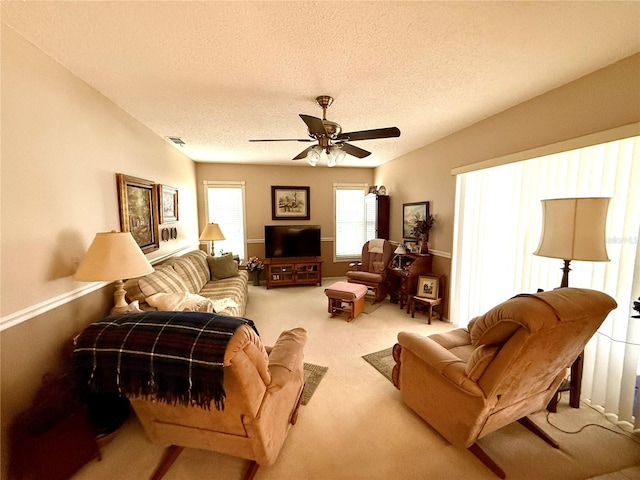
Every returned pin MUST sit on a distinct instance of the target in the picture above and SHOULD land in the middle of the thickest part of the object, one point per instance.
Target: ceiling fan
(331, 140)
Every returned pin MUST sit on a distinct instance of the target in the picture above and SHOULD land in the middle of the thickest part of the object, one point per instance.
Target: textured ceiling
(220, 73)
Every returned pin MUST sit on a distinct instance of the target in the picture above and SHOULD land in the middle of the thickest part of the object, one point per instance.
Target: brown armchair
(173, 366)
(507, 364)
(263, 392)
(372, 270)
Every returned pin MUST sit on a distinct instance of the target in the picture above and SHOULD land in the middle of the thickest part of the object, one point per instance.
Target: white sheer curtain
(498, 221)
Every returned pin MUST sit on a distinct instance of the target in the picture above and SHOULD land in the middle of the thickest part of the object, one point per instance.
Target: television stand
(286, 271)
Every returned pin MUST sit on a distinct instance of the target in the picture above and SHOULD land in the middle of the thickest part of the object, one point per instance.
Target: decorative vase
(256, 277)
(424, 246)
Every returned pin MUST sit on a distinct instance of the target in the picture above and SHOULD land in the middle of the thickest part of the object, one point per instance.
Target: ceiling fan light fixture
(335, 155)
(313, 156)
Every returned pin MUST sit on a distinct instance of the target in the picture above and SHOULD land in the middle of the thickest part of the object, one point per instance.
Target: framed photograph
(290, 203)
(410, 213)
(428, 287)
(138, 201)
(168, 209)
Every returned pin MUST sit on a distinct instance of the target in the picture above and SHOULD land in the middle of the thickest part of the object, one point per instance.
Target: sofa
(194, 281)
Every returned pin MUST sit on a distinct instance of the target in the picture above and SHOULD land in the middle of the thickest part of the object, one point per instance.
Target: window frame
(364, 187)
(228, 184)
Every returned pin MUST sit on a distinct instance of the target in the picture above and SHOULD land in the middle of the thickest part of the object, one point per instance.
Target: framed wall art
(290, 203)
(410, 213)
(138, 202)
(168, 208)
(428, 287)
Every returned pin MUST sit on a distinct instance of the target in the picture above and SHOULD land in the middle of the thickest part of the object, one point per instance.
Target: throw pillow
(180, 302)
(222, 267)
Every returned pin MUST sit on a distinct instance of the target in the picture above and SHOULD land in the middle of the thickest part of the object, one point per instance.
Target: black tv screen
(292, 241)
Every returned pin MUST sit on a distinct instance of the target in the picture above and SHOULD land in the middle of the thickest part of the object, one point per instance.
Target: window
(224, 203)
(350, 231)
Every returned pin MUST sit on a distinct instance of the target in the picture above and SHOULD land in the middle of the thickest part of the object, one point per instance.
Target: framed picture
(168, 209)
(290, 203)
(410, 213)
(138, 201)
(428, 287)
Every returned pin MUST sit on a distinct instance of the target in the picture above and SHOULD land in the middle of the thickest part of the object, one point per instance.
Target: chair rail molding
(15, 318)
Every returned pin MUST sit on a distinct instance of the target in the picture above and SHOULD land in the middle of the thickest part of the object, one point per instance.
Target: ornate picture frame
(428, 287)
(290, 203)
(168, 206)
(410, 213)
(138, 203)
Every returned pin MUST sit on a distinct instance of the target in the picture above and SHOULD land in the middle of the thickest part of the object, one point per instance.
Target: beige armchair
(507, 364)
(263, 391)
(173, 366)
(372, 269)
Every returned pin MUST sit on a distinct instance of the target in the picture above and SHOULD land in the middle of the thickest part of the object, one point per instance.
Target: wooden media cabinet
(282, 272)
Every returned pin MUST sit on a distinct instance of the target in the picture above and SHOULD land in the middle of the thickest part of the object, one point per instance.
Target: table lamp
(113, 256)
(212, 232)
(574, 229)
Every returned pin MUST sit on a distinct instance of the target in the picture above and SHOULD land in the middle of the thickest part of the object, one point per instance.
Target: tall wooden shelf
(282, 272)
(377, 210)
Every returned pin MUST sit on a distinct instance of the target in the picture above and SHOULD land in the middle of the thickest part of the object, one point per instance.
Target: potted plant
(255, 266)
(420, 230)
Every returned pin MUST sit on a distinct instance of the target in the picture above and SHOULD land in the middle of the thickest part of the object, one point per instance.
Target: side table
(403, 282)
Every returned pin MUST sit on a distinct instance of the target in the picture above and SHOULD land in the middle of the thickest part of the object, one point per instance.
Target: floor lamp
(112, 257)
(573, 229)
(212, 233)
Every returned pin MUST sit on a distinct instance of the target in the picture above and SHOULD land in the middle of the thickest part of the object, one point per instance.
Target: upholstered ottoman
(346, 298)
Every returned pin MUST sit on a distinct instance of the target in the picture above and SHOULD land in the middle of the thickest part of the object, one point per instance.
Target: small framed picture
(290, 203)
(168, 197)
(428, 287)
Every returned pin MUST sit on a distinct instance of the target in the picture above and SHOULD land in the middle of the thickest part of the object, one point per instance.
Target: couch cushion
(234, 288)
(164, 279)
(222, 267)
(192, 276)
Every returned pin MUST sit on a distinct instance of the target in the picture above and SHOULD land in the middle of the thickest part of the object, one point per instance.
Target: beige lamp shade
(400, 250)
(113, 256)
(574, 229)
(212, 232)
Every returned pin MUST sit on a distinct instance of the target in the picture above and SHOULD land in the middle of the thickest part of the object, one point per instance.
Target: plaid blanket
(175, 357)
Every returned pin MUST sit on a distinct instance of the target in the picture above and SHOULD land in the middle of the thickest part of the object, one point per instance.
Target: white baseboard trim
(15, 318)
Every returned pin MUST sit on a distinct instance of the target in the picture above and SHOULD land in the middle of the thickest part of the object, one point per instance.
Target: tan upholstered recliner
(372, 270)
(263, 391)
(507, 364)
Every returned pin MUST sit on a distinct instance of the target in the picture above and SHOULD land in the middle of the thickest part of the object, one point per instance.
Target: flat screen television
(292, 241)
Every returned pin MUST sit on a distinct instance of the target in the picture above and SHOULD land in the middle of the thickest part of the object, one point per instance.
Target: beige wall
(258, 181)
(602, 100)
(62, 143)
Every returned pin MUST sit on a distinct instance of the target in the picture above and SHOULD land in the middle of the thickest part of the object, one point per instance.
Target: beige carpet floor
(355, 427)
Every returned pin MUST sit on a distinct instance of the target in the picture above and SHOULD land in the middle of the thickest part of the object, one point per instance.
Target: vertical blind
(349, 220)
(225, 206)
(498, 224)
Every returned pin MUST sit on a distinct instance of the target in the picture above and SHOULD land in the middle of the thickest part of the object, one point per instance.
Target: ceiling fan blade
(303, 153)
(283, 140)
(314, 124)
(353, 150)
(370, 134)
